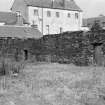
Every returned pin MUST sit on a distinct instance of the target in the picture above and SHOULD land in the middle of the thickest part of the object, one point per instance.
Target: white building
(50, 16)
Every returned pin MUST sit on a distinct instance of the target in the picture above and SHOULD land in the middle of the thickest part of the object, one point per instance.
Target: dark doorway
(16, 54)
(25, 54)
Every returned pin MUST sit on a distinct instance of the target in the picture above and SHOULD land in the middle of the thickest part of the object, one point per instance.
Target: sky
(91, 8)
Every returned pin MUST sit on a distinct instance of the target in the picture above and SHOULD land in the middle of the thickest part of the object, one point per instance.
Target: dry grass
(55, 84)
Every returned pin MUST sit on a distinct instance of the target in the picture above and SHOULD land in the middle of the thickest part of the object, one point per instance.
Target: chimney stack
(52, 3)
(63, 3)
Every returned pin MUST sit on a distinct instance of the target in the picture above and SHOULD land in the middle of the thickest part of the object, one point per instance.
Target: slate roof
(8, 18)
(19, 32)
(57, 4)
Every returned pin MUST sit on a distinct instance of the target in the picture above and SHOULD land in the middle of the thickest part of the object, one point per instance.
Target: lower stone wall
(69, 47)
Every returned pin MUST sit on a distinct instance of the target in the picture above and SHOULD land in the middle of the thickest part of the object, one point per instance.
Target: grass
(56, 84)
(9, 67)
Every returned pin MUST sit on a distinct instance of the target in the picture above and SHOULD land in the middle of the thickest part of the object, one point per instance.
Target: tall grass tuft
(10, 67)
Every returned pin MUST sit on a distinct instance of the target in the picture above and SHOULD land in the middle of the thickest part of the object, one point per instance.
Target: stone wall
(69, 47)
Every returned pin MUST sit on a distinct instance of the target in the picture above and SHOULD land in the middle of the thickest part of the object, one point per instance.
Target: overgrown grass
(9, 67)
(57, 84)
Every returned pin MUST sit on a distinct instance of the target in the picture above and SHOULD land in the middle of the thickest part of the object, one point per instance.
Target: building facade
(90, 21)
(50, 16)
(12, 25)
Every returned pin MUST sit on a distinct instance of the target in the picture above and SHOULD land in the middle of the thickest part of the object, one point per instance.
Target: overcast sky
(91, 8)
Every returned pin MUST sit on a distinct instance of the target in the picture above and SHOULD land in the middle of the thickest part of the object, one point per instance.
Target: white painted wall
(67, 24)
(32, 17)
(2, 24)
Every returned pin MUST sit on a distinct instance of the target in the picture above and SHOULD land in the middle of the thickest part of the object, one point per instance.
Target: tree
(96, 26)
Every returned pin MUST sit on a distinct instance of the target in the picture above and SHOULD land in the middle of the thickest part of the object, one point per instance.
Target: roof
(90, 21)
(19, 32)
(8, 17)
(56, 4)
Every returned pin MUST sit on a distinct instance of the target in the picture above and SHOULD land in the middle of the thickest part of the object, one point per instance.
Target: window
(69, 15)
(35, 12)
(88, 24)
(103, 23)
(18, 13)
(57, 14)
(97, 21)
(33, 22)
(76, 15)
(48, 14)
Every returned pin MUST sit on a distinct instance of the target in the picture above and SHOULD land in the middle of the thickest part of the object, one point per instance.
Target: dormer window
(35, 12)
